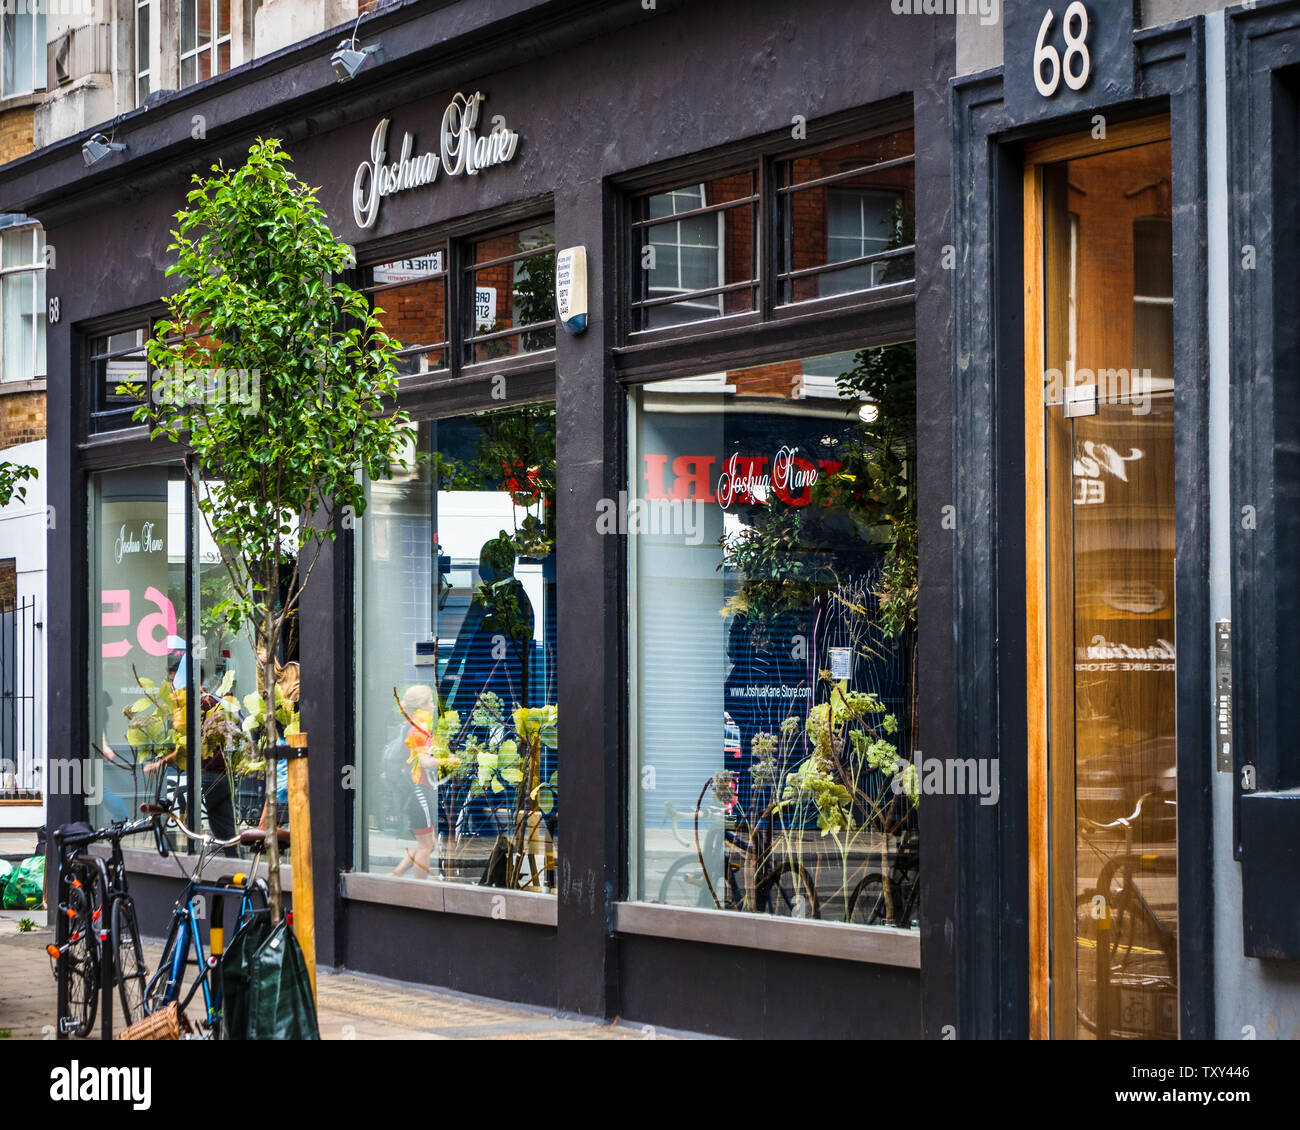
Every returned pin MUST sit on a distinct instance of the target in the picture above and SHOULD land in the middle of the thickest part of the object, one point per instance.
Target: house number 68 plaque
(1074, 64)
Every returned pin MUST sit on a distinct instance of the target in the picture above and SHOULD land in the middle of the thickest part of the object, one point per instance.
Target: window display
(456, 657)
(772, 542)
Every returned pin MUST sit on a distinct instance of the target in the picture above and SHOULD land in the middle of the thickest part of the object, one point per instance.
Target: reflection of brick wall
(738, 226)
(22, 418)
(16, 133)
(415, 314)
(767, 380)
(808, 215)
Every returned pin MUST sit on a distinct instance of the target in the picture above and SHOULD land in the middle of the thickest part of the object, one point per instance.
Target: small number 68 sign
(1073, 65)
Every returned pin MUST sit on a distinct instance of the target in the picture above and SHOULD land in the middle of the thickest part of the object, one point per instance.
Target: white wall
(22, 537)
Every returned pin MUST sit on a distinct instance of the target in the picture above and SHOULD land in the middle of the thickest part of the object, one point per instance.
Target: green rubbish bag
(236, 965)
(280, 1004)
(24, 887)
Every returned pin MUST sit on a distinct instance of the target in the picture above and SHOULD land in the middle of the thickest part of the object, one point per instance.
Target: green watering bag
(236, 966)
(280, 1005)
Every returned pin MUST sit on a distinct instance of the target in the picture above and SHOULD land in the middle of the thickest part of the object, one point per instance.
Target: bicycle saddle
(250, 836)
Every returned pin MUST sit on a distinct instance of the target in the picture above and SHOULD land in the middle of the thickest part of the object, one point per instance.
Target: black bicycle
(97, 940)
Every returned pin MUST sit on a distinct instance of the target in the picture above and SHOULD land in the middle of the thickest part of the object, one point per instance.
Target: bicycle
(168, 981)
(782, 889)
(1135, 985)
(97, 943)
(868, 905)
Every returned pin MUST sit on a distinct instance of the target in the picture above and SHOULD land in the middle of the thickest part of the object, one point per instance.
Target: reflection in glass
(138, 666)
(456, 664)
(1112, 732)
(772, 544)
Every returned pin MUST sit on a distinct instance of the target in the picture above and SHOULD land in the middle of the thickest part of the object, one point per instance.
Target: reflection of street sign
(841, 663)
(408, 270)
(485, 308)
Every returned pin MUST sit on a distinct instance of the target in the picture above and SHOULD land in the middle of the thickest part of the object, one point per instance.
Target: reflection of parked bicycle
(748, 876)
(871, 905)
(1132, 988)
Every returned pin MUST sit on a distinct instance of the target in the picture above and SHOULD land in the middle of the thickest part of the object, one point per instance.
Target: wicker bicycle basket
(166, 1024)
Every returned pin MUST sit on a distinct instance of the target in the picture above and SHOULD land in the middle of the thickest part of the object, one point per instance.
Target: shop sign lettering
(742, 479)
(461, 150)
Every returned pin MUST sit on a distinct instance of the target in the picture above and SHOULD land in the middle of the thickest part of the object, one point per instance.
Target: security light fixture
(349, 59)
(99, 147)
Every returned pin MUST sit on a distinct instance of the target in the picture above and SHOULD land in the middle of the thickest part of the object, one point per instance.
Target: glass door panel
(1107, 347)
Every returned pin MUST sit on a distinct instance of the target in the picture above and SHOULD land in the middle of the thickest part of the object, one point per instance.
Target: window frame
(40, 80)
(635, 347)
(36, 268)
(434, 387)
(212, 47)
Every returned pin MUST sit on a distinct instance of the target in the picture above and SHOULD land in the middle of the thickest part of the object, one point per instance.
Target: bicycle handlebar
(1125, 821)
(201, 837)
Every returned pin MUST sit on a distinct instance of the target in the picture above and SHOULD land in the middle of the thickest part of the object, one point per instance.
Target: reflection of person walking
(429, 757)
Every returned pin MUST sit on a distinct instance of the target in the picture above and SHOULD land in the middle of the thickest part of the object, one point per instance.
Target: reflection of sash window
(688, 257)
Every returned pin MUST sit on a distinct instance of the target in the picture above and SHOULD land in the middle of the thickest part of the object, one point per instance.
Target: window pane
(456, 632)
(772, 552)
(19, 295)
(234, 779)
(848, 217)
(18, 50)
(411, 297)
(701, 252)
(189, 25)
(514, 294)
(138, 638)
(131, 367)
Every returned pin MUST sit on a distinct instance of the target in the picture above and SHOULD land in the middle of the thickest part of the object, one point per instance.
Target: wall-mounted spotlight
(99, 147)
(349, 59)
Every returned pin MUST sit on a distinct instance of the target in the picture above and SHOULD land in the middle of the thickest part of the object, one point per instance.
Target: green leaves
(317, 377)
(12, 478)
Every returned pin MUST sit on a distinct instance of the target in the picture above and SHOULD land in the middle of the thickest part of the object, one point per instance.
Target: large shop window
(150, 654)
(772, 536)
(456, 657)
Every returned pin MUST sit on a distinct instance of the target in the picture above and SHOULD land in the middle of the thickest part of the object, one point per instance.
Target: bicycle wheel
(867, 905)
(130, 960)
(1140, 974)
(787, 892)
(162, 988)
(82, 952)
(683, 885)
(867, 902)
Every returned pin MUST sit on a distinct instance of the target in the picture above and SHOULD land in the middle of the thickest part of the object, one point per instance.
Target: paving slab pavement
(351, 1006)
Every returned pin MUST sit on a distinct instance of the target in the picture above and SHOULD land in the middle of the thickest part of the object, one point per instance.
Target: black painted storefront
(603, 97)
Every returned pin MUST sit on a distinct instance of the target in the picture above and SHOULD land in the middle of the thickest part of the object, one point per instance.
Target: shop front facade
(795, 625)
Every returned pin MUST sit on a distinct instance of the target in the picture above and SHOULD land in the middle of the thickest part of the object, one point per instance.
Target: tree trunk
(272, 776)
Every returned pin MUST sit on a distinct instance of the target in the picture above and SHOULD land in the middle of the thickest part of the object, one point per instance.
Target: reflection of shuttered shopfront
(807, 625)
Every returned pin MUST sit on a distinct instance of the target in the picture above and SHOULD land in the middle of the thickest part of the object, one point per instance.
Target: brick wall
(16, 133)
(22, 417)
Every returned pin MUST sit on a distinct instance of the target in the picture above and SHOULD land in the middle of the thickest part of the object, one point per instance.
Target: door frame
(992, 121)
(1037, 154)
